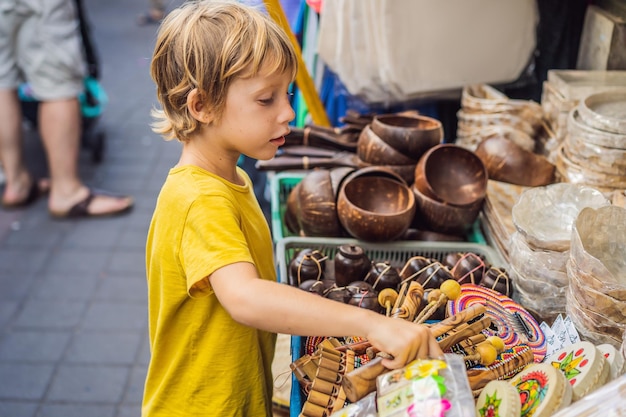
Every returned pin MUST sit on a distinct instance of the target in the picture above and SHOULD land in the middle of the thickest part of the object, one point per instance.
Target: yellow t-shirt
(203, 363)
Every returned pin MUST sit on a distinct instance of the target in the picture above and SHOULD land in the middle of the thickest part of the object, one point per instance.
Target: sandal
(81, 209)
(37, 189)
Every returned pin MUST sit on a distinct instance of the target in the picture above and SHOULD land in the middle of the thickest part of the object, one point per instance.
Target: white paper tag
(572, 333)
(550, 338)
(562, 338)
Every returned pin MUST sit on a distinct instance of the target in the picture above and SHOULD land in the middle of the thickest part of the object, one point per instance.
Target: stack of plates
(496, 218)
(486, 113)
(539, 250)
(594, 149)
(562, 92)
(538, 272)
(596, 269)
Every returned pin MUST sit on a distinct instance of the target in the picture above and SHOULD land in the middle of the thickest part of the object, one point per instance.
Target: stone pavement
(73, 314)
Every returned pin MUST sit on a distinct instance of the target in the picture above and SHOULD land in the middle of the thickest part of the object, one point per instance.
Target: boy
(222, 73)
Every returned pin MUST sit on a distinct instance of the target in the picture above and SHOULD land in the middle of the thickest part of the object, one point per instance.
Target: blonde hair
(206, 45)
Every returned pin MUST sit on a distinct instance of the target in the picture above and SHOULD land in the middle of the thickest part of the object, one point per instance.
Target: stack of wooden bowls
(312, 204)
(594, 149)
(450, 187)
(596, 298)
(539, 250)
(375, 204)
(397, 141)
(487, 113)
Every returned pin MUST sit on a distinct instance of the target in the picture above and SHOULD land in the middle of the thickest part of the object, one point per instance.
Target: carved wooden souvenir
(497, 279)
(467, 268)
(511, 322)
(431, 275)
(508, 363)
(351, 264)
(307, 264)
(383, 275)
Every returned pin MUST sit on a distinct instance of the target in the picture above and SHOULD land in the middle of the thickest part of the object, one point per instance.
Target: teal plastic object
(92, 100)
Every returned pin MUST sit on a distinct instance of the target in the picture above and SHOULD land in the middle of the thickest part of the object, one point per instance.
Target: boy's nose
(288, 113)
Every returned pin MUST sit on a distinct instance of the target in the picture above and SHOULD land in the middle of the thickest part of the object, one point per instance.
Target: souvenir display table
(381, 214)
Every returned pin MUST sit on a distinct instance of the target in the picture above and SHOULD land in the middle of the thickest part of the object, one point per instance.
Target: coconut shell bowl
(375, 204)
(442, 217)
(411, 135)
(311, 205)
(452, 175)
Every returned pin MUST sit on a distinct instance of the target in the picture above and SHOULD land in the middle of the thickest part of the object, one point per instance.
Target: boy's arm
(285, 309)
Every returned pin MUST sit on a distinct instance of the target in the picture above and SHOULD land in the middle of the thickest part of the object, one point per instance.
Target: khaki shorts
(40, 43)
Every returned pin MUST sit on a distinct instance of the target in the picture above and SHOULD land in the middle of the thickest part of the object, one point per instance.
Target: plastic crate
(281, 185)
(397, 253)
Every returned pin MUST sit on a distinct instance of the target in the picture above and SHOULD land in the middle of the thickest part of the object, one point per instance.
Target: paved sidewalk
(73, 316)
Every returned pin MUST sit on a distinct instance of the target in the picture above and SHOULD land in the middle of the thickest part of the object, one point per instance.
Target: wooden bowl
(337, 175)
(292, 210)
(317, 208)
(373, 150)
(444, 218)
(453, 175)
(405, 172)
(410, 135)
(375, 208)
(376, 171)
(508, 162)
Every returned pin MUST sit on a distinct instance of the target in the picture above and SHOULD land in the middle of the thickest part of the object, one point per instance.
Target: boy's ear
(198, 107)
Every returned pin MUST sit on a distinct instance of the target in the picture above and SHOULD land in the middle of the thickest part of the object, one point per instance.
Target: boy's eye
(266, 101)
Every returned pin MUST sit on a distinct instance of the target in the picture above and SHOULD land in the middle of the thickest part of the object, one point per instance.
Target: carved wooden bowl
(444, 218)
(373, 150)
(410, 135)
(317, 209)
(453, 175)
(375, 207)
(292, 210)
(508, 162)
(405, 172)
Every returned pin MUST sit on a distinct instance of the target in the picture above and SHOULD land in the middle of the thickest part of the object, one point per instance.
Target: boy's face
(256, 115)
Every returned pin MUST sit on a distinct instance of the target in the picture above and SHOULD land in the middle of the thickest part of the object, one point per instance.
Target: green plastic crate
(397, 253)
(281, 185)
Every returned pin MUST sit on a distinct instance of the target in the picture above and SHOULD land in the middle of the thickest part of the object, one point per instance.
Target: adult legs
(18, 180)
(60, 130)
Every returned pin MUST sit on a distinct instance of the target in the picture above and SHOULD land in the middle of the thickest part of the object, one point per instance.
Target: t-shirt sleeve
(212, 238)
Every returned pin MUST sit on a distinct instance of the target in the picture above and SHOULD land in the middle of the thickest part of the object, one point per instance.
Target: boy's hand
(404, 341)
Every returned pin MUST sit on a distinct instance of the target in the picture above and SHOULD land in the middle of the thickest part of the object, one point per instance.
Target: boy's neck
(220, 165)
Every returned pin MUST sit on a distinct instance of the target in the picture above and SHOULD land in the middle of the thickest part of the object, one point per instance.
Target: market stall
(508, 241)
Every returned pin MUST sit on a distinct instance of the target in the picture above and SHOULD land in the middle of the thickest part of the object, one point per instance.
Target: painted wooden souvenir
(511, 322)
(584, 366)
(542, 389)
(498, 399)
